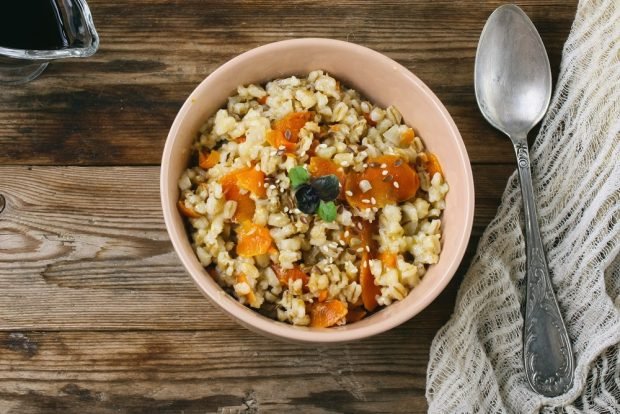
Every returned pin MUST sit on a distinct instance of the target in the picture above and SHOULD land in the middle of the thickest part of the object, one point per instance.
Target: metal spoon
(513, 89)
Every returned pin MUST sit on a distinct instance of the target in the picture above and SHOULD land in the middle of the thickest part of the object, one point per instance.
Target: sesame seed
(373, 165)
(398, 162)
(281, 148)
(373, 201)
(365, 186)
(388, 177)
(285, 209)
(384, 172)
(384, 165)
(364, 165)
(396, 185)
(359, 225)
(349, 193)
(361, 249)
(288, 134)
(365, 201)
(272, 187)
(368, 249)
(257, 167)
(346, 233)
(344, 164)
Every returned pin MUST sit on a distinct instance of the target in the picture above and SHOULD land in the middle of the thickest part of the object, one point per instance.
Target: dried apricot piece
(406, 138)
(187, 211)
(328, 313)
(245, 204)
(252, 239)
(284, 275)
(290, 124)
(207, 159)
(432, 164)
(355, 314)
(370, 290)
(247, 178)
(277, 140)
(388, 259)
(387, 180)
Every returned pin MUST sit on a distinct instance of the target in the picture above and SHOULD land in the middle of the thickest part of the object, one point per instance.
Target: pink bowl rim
(284, 331)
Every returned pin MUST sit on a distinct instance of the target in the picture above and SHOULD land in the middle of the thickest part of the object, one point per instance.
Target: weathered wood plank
(116, 107)
(208, 371)
(78, 250)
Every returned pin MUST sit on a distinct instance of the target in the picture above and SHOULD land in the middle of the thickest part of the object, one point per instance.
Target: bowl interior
(382, 81)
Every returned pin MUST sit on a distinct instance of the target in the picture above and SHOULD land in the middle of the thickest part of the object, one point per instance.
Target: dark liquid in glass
(31, 25)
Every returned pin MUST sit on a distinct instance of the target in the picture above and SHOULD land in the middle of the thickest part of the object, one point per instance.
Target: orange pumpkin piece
(322, 295)
(355, 314)
(242, 278)
(252, 239)
(240, 139)
(319, 167)
(262, 100)
(388, 259)
(432, 164)
(406, 138)
(247, 178)
(207, 160)
(277, 140)
(187, 211)
(292, 123)
(328, 313)
(398, 183)
(284, 275)
(245, 204)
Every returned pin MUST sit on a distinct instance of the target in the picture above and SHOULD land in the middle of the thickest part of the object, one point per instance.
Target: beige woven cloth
(476, 358)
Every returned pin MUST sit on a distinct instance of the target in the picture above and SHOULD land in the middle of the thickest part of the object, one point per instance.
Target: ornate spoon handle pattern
(547, 351)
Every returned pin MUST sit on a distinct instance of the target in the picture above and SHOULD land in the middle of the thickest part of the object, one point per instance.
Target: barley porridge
(311, 204)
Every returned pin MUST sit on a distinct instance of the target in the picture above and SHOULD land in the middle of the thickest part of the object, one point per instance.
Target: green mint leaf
(298, 176)
(327, 211)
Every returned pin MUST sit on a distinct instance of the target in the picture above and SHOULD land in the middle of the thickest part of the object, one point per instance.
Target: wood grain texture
(78, 251)
(116, 107)
(97, 314)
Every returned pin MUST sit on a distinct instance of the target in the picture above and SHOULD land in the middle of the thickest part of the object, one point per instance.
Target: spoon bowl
(513, 76)
(513, 90)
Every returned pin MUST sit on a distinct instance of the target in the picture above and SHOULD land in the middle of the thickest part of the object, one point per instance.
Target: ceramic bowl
(384, 82)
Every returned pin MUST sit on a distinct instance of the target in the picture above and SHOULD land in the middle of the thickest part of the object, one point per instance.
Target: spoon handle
(547, 353)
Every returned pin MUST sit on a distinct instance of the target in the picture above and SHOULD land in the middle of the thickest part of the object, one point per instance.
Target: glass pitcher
(35, 32)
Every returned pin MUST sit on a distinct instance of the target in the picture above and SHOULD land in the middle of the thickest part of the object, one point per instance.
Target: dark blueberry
(327, 187)
(307, 199)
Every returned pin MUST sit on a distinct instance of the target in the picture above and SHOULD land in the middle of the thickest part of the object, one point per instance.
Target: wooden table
(97, 315)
